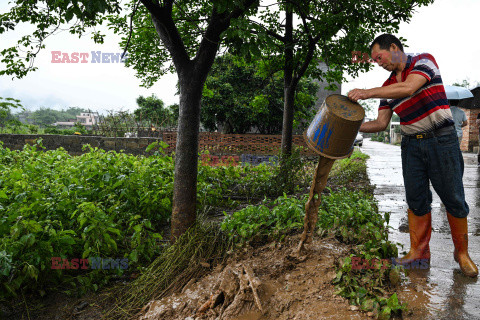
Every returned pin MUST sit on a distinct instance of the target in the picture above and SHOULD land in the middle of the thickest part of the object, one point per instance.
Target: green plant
(348, 172)
(103, 204)
(349, 215)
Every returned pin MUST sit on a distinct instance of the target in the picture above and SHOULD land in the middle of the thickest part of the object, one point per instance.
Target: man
(459, 119)
(430, 149)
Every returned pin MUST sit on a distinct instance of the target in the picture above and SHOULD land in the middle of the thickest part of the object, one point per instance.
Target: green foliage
(152, 109)
(245, 224)
(6, 117)
(370, 106)
(345, 212)
(103, 204)
(466, 83)
(328, 32)
(99, 204)
(76, 129)
(351, 216)
(379, 136)
(237, 98)
(292, 174)
(9, 103)
(251, 182)
(45, 117)
(349, 171)
(46, 16)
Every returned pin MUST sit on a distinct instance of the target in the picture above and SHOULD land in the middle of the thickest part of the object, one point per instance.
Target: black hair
(453, 102)
(385, 41)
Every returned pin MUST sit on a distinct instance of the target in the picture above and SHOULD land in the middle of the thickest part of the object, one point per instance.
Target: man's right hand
(358, 94)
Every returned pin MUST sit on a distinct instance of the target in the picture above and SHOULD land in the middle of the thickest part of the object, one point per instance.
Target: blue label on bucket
(322, 136)
(313, 126)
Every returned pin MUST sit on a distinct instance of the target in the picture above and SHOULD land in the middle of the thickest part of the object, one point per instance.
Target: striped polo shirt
(427, 109)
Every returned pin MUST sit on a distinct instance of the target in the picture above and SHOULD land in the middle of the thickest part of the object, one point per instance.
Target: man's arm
(380, 124)
(464, 119)
(394, 91)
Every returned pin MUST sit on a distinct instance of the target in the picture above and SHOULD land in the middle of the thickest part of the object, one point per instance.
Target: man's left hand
(358, 94)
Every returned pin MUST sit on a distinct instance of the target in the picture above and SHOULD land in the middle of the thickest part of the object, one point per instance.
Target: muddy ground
(288, 286)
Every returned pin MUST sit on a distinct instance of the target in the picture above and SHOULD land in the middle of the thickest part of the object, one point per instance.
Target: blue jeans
(440, 161)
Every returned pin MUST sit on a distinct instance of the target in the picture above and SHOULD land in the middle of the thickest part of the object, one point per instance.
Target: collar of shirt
(393, 75)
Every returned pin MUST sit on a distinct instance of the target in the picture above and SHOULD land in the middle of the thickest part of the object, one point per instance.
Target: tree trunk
(186, 155)
(289, 94)
(287, 129)
(192, 74)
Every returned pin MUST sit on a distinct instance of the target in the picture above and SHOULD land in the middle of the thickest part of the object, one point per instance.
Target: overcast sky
(447, 29)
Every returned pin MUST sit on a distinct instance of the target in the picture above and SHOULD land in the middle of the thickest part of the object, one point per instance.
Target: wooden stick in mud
(311, 207)
(254, 285)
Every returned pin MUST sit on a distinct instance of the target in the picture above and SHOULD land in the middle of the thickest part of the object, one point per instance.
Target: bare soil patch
(287, 286)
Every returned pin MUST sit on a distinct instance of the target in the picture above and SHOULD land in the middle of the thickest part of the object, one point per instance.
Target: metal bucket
(333, 130)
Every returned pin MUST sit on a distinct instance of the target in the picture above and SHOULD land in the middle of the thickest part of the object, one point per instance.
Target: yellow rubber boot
(459, 229)
(420, 228)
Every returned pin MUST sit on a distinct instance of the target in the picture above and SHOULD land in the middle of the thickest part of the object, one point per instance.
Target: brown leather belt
(427, 135)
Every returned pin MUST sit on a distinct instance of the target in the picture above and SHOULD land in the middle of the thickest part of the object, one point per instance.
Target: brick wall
(237, 144)
(470, 131)
(215, 143)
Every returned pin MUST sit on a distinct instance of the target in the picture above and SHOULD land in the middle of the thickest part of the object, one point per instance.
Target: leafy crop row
(100, 204)
(351, 217)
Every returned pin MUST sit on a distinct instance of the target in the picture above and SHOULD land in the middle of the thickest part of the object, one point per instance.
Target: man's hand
(358, 94)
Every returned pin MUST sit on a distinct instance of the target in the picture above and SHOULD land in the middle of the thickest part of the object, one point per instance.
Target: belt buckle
(420, 136)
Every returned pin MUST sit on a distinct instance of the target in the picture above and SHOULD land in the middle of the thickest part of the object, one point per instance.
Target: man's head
(387, 51)
(453, 102)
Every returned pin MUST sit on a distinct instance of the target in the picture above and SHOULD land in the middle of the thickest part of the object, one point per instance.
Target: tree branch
(168, 32)
(312, 43)
(268, 31)
(135, 7)
(219, 22)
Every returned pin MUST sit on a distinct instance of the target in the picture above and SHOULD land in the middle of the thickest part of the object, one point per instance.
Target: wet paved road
(450, 295)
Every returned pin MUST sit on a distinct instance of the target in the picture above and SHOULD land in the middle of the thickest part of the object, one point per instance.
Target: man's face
(382, 57)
